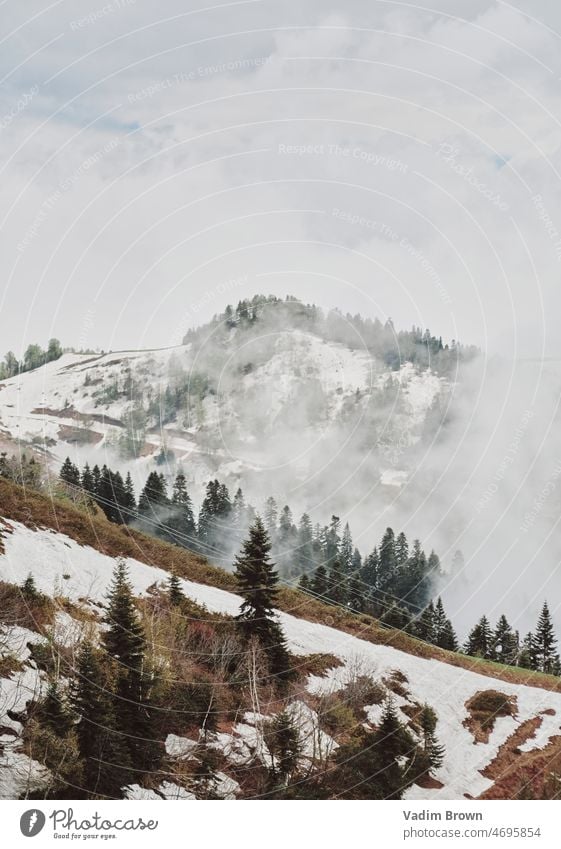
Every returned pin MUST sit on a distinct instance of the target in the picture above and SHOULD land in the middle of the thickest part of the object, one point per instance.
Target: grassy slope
(36, 510)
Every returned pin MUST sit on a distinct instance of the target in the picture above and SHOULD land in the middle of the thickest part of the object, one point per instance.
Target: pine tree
(388, 562)
(257, 582)
(356, 598)
(332, 541)
(525, 657)
(181, 522)
(54, 712)
(283, 742)
(176, 595)
(319, 582)
(545, 642)
(304, 583)
(447, 637)
(125, 642)
(433, 750)
(238, 510)
(505, 642)
(337, 584)
(103, 751)
(29, 590)
(154, 494)
(424, 626)
(480, 640)
(271, 517)
(395, 748)
(370, 569)
(346, 551)
(305, 542)
(69, 473)
(401, 549)
(96, 474)
(129, 500)
(87, 480)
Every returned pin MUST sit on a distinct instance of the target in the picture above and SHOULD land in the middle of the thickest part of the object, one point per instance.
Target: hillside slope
(77, 577)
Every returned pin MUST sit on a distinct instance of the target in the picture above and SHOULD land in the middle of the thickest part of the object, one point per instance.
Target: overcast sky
(159, 160)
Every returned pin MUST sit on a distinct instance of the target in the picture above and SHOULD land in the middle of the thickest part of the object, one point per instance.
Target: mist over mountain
(331, 414)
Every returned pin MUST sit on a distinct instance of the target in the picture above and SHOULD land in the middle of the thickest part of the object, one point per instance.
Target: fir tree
(271, 517)
(424, 626)
(433, 750)
(505, 642)
(257, 582)
(388, 562)
(346, 551)
(69, 473)
(401, 549)
(480, 640)
(176, 595)
(106, 761)
(182, 519)
(319, 582)
(337, 584)
(54, 712)
(332, 541)
(544, 643)
(305, 542)
(283, 742)
(87, 480)
(125, 642)
(525, 657)
(154, 494)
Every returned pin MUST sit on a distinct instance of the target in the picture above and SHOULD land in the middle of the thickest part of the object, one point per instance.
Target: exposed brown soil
(79, 435)
(76, 415)
(519, 774)
(484, 708)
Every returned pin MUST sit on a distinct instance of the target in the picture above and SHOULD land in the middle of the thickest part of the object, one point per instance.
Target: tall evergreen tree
(125, 642)
(153, 495)
(444, 635)
(544, 643)
(257, 582)
(305, 543)
(433, 750)
(320, 582)
(346, 551)
(332, 541)
(69, 473)
(401, 549)
(87, 480)
(337, 584)
(106, 760)
(480, 640)
(271, 517)
(181, 523)
(425, 626)
(388, 562)
(505, 642)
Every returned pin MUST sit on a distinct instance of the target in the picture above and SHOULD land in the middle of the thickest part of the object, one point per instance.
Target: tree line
(33, 357)
(395, 583)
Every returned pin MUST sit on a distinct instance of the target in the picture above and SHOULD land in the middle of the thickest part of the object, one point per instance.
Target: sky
(397, 159)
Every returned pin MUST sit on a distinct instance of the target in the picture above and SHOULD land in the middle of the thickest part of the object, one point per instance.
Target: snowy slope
(61, 566)
(287, 409)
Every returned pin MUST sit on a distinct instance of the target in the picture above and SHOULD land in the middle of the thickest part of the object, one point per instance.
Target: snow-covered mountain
(478, 761)
(293, 415)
